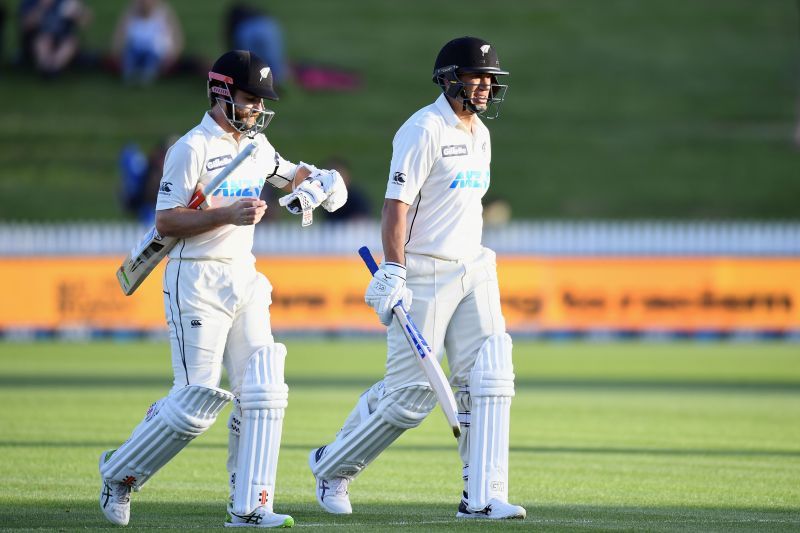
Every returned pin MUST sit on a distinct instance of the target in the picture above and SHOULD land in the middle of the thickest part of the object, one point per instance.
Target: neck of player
(218, 114)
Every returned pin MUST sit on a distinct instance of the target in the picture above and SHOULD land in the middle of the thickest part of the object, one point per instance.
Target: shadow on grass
(590, 450)
(68, 515)
(666, 385)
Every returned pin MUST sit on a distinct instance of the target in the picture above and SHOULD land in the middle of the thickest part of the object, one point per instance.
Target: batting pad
(167, 428)
(491, 385)
(263, 402)
(396, 412)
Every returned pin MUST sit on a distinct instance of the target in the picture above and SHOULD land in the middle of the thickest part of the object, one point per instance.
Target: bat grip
(366, 256)
(369, 261)
(197, 200)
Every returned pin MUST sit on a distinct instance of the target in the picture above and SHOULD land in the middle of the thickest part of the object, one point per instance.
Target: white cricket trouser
(218, 314)
(456, 305)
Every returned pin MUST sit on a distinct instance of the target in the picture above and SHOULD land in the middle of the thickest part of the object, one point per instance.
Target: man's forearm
(182, 222)
(393, 231)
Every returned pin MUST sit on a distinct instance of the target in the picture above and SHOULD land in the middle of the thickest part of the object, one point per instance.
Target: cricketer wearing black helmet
(216, 302)
(464, 56)
(436, 266)
(241, 70)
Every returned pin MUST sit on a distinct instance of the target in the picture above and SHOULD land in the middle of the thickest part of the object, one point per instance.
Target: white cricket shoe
(494, 510)
(332, 493)
(115, 497)
(261, 517)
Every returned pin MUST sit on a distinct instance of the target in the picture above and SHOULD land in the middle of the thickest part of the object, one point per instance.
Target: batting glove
(386, 289)
(307, 196)
(335, 189)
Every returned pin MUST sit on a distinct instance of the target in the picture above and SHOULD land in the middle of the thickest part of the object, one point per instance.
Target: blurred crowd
(148, 44)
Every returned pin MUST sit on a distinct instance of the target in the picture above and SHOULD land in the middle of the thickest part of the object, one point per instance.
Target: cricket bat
(424, 354)
(152, 248)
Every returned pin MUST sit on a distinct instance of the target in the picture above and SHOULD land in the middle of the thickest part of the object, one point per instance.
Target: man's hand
(336, 190)
(247, 211)
(308, 195)
(388, 286)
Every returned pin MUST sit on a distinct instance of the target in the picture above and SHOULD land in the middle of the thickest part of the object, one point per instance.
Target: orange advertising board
(539, 294)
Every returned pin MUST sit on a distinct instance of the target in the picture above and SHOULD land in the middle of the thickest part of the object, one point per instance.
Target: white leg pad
(263, 401)
(491, 384)
(396, 412)
(170, 424)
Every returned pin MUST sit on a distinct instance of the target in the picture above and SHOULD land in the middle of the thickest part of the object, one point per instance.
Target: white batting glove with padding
(388, 286)
(333, 185)
(308, 195)
(336, 191)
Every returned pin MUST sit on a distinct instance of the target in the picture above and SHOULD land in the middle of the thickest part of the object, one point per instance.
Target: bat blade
(142, 259)
(423, 354)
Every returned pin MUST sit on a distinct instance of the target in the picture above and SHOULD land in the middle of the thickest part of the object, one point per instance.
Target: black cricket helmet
(470, 55)
(241, 70)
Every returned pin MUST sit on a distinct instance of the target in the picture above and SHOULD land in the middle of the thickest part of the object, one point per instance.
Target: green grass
(631, 437)
(617, 109)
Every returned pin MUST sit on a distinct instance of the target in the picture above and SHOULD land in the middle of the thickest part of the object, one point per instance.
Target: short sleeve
(413, 155)
(181, 175)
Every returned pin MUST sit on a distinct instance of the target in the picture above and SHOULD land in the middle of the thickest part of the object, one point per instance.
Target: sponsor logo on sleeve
(165, 187)
(399, 178)
(454, 150)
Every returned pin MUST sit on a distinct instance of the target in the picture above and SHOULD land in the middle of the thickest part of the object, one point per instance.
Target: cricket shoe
(260, 517)
(115, 497)
(494, 510)
(332, 493)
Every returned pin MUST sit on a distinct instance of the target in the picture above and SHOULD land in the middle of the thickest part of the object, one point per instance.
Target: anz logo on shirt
(239, 188)
(471, 179)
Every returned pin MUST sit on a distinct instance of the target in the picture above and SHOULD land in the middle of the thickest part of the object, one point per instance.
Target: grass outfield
(657, 437)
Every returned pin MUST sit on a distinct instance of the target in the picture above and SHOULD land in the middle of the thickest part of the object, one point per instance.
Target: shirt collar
(210, 125)
(443, 106)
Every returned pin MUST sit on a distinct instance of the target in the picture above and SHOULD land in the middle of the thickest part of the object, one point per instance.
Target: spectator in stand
(148, 41)
(49, 33)
(358, 206)
(141, 175)
(254, 29)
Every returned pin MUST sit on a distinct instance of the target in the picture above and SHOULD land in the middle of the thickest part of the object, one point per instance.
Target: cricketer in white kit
(431, 232)
(217, 304)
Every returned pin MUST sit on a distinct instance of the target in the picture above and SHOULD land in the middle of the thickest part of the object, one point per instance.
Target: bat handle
(369, 261)
(366, 256)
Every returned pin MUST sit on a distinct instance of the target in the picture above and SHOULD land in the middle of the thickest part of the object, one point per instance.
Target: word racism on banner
(539, 295)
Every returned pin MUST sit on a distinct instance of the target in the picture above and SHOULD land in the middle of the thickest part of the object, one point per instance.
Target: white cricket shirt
(194, 160)
(442, 171)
